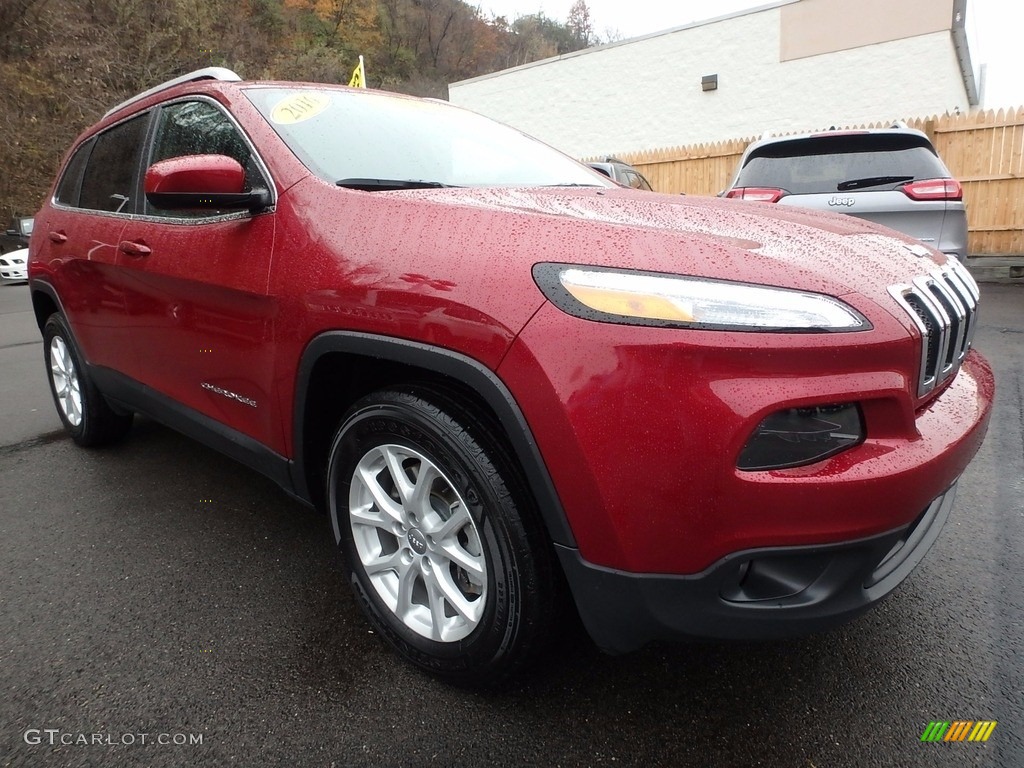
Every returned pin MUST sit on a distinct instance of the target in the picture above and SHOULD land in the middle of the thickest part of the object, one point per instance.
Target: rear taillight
(934, 189)
(757, 194)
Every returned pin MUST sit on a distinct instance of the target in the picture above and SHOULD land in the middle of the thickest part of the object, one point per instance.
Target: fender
(455, 366)
(38, 285)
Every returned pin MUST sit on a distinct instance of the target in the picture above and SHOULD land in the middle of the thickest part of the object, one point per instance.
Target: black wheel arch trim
(38, 285)
(446, 363)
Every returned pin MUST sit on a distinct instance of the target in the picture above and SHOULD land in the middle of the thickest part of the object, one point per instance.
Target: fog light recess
(798, 436)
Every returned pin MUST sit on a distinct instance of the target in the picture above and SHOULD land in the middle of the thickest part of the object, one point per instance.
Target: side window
(109, 180)
(200, 128)
(71, 182)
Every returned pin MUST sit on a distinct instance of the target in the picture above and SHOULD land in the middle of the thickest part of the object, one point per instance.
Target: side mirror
(204, 182)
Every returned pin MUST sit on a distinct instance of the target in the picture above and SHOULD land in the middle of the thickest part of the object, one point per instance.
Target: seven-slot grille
(943, 305)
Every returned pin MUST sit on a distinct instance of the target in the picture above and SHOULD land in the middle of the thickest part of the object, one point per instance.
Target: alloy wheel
(418, 543)
(65, 381)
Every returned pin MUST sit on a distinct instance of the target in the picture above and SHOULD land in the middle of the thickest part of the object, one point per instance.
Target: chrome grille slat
(943, 306)
(966, 291)
(962, 273)
(957, 316)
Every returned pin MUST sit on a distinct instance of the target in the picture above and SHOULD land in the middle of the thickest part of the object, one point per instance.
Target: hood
(707, 237)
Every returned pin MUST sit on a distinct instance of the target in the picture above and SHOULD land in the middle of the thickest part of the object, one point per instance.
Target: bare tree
(579, 24)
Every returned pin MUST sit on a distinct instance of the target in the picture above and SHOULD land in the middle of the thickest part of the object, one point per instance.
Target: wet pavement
(158, 592)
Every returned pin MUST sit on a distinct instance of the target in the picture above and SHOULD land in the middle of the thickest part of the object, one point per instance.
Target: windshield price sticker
(299, 107)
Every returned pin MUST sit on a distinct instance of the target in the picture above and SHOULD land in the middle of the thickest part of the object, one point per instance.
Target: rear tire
(86, 415)
(442, 543)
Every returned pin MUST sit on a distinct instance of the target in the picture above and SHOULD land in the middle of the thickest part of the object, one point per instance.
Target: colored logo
(959, 730)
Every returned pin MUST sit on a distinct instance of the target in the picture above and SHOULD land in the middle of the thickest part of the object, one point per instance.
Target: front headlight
(645, 298)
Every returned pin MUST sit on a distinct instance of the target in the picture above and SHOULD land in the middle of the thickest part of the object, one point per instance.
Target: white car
(14, 266)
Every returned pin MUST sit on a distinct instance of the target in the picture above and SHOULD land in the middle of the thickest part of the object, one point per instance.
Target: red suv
(516, 388)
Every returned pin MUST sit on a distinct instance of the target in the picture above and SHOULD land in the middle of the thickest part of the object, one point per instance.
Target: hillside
(64, 62)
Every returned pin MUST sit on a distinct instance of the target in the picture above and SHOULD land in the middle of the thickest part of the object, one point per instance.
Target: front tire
(442, 544)
(86, 415)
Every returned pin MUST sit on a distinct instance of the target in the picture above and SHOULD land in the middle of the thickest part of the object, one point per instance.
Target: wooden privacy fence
(984, 150)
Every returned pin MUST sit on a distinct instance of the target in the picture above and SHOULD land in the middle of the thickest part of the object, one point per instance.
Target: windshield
(358, 138)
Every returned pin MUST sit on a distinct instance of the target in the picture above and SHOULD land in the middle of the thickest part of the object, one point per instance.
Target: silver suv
(891, 176)
(622, 172)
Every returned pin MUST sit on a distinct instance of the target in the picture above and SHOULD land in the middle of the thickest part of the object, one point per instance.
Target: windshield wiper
(871, 181)
(382, 185)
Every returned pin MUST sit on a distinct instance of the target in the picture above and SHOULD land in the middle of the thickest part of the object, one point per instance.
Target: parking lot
(161, 592)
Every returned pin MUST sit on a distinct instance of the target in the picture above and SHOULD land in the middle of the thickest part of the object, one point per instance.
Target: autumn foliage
(64, 62)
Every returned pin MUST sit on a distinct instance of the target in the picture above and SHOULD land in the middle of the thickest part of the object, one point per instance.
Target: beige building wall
(815, 27)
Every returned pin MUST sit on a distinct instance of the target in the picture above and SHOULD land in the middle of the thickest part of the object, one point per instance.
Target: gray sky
(997, 27)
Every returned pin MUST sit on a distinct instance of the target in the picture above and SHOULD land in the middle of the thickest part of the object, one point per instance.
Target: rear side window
(819, 165)
(71, 182)
(109, 181)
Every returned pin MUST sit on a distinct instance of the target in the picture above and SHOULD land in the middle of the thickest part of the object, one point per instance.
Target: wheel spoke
(384, 502)
(419, 498)
(450, 528)
(367, 515)
(74, 408)
(436, 598)
(470, 611)
(58, 367)
(470, 563)
(398, 474)
(390, 562)
(57, 352)
(407, 575)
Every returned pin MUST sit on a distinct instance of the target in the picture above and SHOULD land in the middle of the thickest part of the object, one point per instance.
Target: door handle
(58, 237)
(134, 249)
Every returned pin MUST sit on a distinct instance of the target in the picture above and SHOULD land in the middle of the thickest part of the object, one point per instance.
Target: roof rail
(208, 73)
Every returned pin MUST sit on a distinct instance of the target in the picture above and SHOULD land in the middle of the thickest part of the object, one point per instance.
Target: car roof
(214, 81)
(218, 83)
(208, 73)
(896, 130)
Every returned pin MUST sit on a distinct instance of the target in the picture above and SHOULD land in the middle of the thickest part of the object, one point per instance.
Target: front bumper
(641, 430)
(757, 594)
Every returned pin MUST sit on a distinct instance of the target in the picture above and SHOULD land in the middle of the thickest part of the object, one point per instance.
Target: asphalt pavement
(169, 607)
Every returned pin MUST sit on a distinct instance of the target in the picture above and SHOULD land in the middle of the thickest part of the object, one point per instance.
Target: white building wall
(646, 93)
